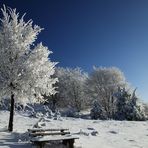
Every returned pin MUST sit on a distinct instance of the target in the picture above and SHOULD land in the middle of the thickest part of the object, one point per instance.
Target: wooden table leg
(40, 144)
(71, 143)
(65, 142)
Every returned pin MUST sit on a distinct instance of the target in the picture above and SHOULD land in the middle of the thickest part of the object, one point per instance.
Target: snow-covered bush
(57, 115)
(37, 110)
(70, 112)
(25, 68)
(5, 104)
(97, 111)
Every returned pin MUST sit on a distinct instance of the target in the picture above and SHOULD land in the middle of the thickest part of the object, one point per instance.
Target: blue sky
(94, 32)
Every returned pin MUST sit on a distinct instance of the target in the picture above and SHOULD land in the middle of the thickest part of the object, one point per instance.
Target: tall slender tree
(25, 69)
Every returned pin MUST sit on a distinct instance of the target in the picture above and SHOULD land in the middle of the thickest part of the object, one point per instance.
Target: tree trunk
(10, 126)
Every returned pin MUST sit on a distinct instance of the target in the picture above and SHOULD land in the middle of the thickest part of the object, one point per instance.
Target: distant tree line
(105, 91)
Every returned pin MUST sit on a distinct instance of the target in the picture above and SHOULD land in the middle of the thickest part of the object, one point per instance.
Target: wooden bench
(42, 136)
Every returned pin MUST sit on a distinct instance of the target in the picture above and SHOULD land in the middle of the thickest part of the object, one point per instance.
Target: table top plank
(48, 133)
(53, 138)
(44, 129)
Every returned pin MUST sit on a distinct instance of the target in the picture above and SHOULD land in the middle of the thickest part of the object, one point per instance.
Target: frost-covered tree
(71, 87)
(123, 98)
(128, 106)
(145, 105)
(135, 109)
(97, 111)
(25, 69)
(102, 84)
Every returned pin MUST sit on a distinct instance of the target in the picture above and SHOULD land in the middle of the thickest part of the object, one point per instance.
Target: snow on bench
(43, 136)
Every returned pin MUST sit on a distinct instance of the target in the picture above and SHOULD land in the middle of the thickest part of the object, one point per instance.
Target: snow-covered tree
(135, 109)
(25, 69)
(128, 106)
(145, 105)
(71, 87)
(123, 98)
(102, 84)
(97, 111)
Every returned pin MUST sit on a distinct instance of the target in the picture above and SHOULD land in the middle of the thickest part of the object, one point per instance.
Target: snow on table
(53, 138)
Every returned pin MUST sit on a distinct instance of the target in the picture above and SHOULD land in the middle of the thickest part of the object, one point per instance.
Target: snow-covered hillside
(91, 133)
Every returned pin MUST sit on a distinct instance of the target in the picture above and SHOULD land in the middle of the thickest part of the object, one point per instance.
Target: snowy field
(91, 133)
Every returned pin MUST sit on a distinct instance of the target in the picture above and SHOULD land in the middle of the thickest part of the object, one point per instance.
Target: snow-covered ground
(91, 133)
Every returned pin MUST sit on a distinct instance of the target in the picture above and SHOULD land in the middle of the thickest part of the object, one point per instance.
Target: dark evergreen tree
(97, 111)
(135, 110)
(128, 107)
(122, 100)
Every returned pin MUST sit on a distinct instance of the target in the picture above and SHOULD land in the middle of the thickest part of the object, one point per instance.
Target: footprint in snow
(90, 128)
(113, 132)
(94, 133)
(131, 140)
(137, 146)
